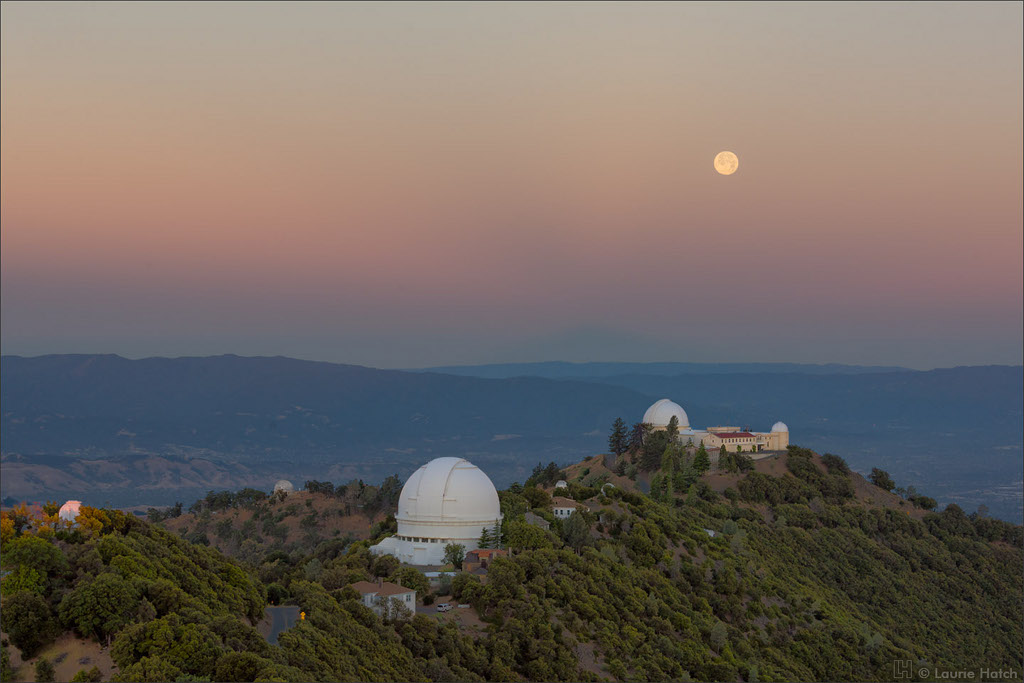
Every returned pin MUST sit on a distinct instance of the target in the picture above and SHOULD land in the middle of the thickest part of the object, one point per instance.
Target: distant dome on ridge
(69, 511)
(780, 427)
(283, 485)
(660, 414)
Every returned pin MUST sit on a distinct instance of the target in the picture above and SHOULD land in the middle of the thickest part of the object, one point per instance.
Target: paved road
(281, 619)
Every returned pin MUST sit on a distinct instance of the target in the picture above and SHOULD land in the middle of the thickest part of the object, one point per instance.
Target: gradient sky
(403, 185)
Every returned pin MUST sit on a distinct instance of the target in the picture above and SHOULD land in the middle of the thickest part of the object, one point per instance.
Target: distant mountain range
(563, 370)
(156, 429)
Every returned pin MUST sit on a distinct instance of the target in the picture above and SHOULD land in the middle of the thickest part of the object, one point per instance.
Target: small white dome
(69, 511)
(445, 496)
(283, 485)
(561, 484)
(660, 414)
(780, 427)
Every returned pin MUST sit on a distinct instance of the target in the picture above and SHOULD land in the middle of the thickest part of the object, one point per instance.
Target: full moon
(726, 163)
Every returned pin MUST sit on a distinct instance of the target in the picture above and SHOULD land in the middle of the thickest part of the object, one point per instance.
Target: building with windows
(448, 500)
(377, 595)
(562, 508)
(661, 413)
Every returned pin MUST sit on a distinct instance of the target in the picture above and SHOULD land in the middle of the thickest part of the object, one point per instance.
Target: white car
(444, 607)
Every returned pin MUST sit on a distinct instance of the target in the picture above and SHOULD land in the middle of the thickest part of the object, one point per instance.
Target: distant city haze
(407, 185)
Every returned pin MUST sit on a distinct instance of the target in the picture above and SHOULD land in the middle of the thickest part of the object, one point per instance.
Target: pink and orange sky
(404, 185)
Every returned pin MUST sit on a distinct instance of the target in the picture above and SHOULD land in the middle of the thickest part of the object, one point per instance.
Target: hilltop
(787, 570)
(160, 430)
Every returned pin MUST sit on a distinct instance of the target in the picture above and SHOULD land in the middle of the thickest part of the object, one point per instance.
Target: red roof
(486, 553)
(384, 588)
(734, 435)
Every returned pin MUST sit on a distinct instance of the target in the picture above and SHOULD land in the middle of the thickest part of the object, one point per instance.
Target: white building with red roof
(660, 414)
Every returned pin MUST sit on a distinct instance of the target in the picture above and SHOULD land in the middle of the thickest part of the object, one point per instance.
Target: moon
(726, 163)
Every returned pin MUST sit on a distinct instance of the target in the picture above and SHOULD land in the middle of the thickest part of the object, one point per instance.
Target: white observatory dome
(561, 484)
(283, 485)
(69, 511)
(780, 427)
(447, 498)
(659, 414)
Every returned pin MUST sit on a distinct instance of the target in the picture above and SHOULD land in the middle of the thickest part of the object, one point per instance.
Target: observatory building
(733, 438)
(284, 485)
(448, 500)
(69, 511)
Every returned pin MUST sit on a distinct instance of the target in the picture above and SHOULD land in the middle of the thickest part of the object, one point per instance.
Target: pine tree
(637, 435)
(701, 461)
(485, 538)
(618, 441)
(496, 538)
(673, 428)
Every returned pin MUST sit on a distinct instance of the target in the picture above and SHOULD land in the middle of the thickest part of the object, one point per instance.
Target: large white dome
(660, 414)
(283, 485)
(780, 427)
(445, 496)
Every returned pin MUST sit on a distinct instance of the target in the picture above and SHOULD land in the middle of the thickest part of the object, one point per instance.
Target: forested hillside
(784, 576)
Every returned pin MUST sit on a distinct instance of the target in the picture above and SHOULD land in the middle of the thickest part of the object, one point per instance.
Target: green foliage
(101, 606)
(28, 620)
(881, 479)
(45, 672)
(410, 577)
(835, 464)
(93, 675)
(523, 536)
(545, 476)
(672, 430)
(23, 579)
(653, 449)
(454, 554)
(618, 442)
(6, 670)
(701, 460)
(576, 531)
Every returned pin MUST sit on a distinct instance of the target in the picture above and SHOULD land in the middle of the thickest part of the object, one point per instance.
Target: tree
(454, 554)
(27, 620)
(496, 538)
(100, 607)
(725, 461)
(576, 531)
(881, 479)
(701, 461)
(637, 436)
(6, 670)
(619, 440)
(485, 538)
(410, 577)
(673, 428)
(93, 675)
(45, 672)
(654, 449)
(35, 553)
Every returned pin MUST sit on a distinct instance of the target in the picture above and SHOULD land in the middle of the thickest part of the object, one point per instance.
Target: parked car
(444, 606)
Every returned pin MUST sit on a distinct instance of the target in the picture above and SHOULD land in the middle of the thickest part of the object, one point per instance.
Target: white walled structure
(69, 511)
(713, 438)
(448, 500)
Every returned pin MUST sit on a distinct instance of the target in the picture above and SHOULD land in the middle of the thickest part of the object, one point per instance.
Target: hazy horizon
(412, 185)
